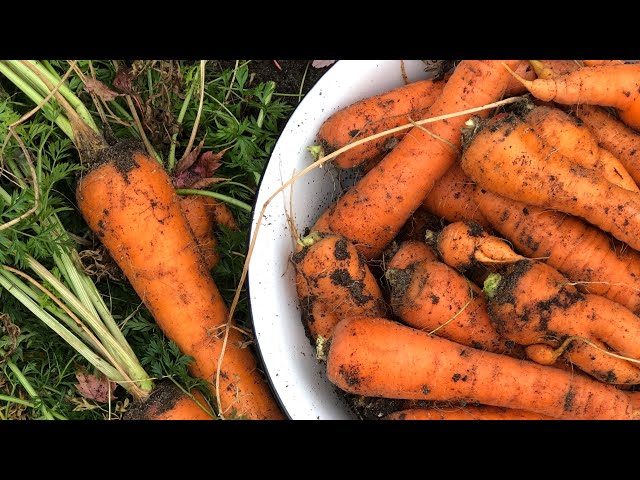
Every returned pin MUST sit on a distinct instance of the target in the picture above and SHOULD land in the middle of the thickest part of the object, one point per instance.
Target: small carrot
(480, 412)
(464, 245)
(410, 252)
(452, 198)
(523, 70)
(605, 85)
(128, 201)
(537, 175)
(614, 136)
(373, 211)
(376, 114)
(376, 357)
(168, 402)
(575, 141)
(533, 303)
(433, 297)
(588, 256)
(333, 282)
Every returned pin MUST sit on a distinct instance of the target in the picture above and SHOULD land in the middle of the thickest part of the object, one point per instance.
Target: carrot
(414, 365)
(433, 297)
(376, 114)
(523, 70)
(597, 63)
(552, 68)
(333, 282)
(510, 149)
(168, 402)
(605, 85)
(372, 212)
(128, 200)
(464, 245)
(614, 136)
(575, 141)
(603, 266)
(534, 303)
(452, 198)
(410, 252)
(481, 412)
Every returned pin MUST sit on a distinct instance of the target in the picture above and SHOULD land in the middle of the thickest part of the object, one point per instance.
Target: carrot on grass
(372, 115)
(585, 254)
(168, 402)
(538, 175)
(371, 213)
(417, 366)
(614, 136)
(615, 86)
(128, 200)
(469, 412)
(333, 282)
(452, 198)
(433, 297)
(573, 140)
(532, 303)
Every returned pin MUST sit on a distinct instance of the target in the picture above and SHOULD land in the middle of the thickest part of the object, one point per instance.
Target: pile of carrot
(522, 298)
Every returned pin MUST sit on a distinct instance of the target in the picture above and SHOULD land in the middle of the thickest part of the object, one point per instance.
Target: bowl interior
(298, 380)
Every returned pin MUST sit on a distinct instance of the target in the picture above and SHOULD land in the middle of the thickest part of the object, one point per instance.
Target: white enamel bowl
(288, 357)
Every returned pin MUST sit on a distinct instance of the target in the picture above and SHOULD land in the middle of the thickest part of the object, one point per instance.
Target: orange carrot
(410, 252)
(597, 63)
(376, 114)
(464, 245)
(575, 141)
(523, 70)
(376, 357)
(614, 136)
(333, 282)
(605, 85)
(481, 412)
(588, 256)
(372, 212)
(128, 200)
(452, 198)
(433, 297)
(168, 402)
(552, 68)
(533, 303)
(509, 149)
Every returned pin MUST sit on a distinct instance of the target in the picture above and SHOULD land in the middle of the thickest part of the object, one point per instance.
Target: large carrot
(376, 114)
(333, 282)
(603, 266)
(376, 357)
(128, 200)
(373, 211)
(452, 198)
(615, 86)
(575, 141)
(480, 412)
(533, 303)
(168, 402)
(613, 135)
(433, 297)
(509, 149)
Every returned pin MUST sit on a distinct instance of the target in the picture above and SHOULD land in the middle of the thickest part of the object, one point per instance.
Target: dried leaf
(322, 63)
(186, 161)
(96, 387)
(123, 81)
(96, 86)
(207, 182)
(196, 171)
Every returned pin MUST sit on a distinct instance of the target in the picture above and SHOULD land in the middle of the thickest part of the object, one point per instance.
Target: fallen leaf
(322, 63)
(196, 171)
(96, 86)
(123, 80)
(96, 387)
(207, 182)
(186, 161)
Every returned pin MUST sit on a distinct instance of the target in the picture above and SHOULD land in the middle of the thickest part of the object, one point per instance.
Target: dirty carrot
(451, 198)
(538, 175)
(376, 114)
(376, 357)
(470, 412)
(333, 282)
(169, 402)
(433, 297)
(128, 200)
(605, 85)
(604, 266)
(533, 303)
(410, 252)
(372, 212)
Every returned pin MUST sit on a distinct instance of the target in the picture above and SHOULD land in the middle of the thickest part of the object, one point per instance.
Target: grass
(167, 107)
